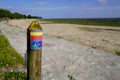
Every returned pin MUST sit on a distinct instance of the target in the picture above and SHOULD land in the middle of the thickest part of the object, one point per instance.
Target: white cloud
(102, 8)
(41, 3)
(6, 6)
(48, 8)
(103, 1)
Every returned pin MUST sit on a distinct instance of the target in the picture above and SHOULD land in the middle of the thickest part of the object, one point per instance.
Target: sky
(65, 8)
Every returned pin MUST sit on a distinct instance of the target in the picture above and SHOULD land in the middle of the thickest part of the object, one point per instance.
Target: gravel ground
(62, 58)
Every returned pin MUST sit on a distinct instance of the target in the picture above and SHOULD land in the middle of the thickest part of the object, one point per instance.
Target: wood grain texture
(34, 64)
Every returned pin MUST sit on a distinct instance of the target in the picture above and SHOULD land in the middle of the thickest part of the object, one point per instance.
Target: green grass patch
(70, 77)
(97, 21)
(15, 76)
(9, 58)
(0, 19)
(118, 53)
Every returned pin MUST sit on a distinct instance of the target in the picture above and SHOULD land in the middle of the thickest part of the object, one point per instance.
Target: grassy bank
(0, 19)
(98, 22)
(10, 60)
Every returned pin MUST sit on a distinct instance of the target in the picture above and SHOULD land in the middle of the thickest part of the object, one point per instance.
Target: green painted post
(34, 51)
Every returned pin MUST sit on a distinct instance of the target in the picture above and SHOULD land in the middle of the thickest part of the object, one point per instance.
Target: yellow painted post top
(34, 26)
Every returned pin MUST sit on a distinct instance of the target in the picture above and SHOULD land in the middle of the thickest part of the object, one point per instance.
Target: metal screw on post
(34, 51)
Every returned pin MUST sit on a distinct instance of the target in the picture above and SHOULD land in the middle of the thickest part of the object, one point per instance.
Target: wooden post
(34, 51)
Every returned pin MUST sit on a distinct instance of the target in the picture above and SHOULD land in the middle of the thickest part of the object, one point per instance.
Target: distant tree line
(6, 13)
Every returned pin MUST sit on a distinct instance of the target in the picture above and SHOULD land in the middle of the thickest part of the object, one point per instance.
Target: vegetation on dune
(95, 21)
(6, 13)
(118, 53)
(9, 60)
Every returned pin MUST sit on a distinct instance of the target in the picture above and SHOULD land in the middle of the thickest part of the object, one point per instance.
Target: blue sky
(65, 8)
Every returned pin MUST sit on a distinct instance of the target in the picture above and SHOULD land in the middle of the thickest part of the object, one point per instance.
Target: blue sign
(36, 45)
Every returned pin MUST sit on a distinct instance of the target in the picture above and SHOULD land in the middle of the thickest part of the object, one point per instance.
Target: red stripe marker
(35, 37)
